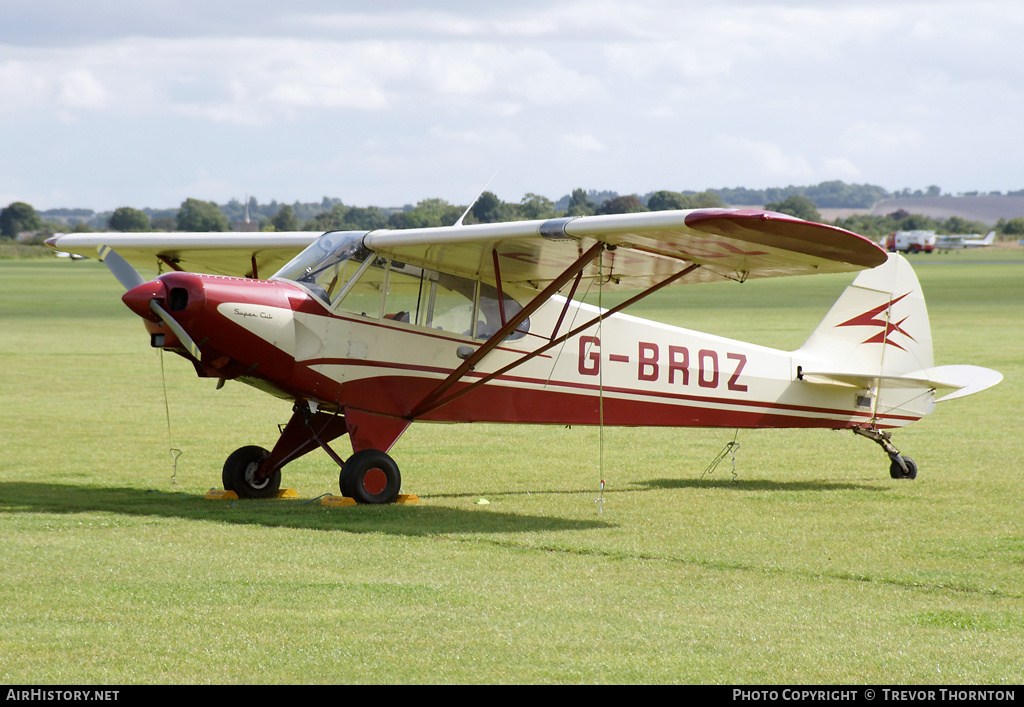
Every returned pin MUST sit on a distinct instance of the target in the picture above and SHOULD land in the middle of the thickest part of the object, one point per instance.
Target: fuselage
(622, 370)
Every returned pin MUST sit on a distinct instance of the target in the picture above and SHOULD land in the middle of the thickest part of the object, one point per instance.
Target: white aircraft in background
(972, 240)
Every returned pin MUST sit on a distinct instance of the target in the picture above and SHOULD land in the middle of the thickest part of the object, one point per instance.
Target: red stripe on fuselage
(498, 403)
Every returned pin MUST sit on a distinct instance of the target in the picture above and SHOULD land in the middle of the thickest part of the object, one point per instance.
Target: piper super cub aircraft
(367, 332)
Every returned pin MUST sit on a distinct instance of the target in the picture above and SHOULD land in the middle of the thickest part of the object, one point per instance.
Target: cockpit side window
(363, 293)
(347, 277)
(404, 297)
(489, 313)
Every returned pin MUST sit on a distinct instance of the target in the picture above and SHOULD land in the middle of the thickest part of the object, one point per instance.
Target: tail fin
(877, 338)
(879, 326)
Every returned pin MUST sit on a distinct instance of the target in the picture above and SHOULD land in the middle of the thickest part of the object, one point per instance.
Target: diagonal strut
(428, 403)
(433, 404)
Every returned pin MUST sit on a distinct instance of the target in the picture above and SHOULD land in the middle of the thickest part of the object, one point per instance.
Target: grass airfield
(804, 564)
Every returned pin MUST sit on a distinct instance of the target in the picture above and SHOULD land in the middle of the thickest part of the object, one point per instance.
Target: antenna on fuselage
(473, 203)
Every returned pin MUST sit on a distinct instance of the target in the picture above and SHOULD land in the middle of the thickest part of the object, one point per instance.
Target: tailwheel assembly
(900, 467)
(906, 470)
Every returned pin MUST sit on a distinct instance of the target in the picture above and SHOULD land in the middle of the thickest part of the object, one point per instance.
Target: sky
(108, 103)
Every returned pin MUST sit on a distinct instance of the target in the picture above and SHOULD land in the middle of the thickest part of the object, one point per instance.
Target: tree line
(332, 214)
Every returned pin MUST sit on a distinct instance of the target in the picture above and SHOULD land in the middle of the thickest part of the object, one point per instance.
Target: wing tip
(807, 237)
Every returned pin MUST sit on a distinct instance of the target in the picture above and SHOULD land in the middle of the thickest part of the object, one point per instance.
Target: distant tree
(579, 204)
(488, 209)
(799, 206)
(629, 204)
(331, 220)
(285, 219)
(706, 200)
(427, 213)
(196, 215)
(917, 222)
(129, 220)
(364, 219)
(960, 225)
(17, 218)
(669, 201)
(534, 206)
(933, 191)
(1014, 226)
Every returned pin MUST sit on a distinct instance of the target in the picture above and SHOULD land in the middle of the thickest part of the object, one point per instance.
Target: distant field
(805, 564)
(987, 209)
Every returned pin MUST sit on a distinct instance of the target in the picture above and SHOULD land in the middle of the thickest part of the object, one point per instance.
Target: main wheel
(896, 471)
(370, 476)
(240, 471)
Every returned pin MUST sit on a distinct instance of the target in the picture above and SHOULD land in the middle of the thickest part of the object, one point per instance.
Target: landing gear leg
(368, 476)
(253, 472)
(900, 467)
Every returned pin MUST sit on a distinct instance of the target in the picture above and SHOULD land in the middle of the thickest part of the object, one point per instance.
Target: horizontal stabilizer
(965, 380)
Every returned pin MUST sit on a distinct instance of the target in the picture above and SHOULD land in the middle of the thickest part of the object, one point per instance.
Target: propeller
(183, 337)
(130, 278)
(125, 273)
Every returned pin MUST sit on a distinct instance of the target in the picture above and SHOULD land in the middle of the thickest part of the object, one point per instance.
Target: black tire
(896, 471)
(370, 476)
(239, 474)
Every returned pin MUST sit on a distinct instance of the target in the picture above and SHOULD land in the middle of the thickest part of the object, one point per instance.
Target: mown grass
(806, 564)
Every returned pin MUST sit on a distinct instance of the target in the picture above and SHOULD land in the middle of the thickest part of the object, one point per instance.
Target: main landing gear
(368, 476)
(900, 467)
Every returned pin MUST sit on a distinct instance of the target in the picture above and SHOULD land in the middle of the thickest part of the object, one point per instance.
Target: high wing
(645, 247)
(232, 254)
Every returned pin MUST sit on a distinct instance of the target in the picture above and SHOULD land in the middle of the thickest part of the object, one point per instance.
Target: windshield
(325, 265)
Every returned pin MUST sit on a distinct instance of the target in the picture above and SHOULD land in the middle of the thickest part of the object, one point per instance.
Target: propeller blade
(184, 338)
(125, 273)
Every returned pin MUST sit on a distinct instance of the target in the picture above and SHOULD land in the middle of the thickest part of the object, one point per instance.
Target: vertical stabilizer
(878, 326)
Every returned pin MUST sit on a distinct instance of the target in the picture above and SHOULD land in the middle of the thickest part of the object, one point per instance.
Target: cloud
(583, 143)
(264, 80)
(79, 88)
(842, 168)
(767, 158)
(875, 137)
(894, 93)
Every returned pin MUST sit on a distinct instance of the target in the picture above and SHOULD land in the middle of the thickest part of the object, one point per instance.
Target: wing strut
(432, 403)
(428, 403)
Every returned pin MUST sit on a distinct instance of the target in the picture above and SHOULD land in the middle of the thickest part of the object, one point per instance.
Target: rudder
(879, 326)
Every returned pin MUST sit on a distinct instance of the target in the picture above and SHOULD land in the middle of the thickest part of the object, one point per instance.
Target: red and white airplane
(367, 332)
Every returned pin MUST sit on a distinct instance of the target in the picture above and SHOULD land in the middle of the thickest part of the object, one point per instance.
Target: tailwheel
(370, 476)
(900, 467)
(242, 474)
(907, 470)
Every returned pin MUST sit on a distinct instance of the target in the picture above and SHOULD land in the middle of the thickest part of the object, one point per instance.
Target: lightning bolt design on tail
(871, 318)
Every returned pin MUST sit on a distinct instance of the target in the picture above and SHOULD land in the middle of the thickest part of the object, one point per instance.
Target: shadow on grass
(405, 520)
(673, 484)
(752, 485)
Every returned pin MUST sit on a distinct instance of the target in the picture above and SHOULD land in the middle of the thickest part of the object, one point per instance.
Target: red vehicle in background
(910, 242)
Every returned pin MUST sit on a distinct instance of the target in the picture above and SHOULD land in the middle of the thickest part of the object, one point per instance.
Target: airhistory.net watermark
(43, 695)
